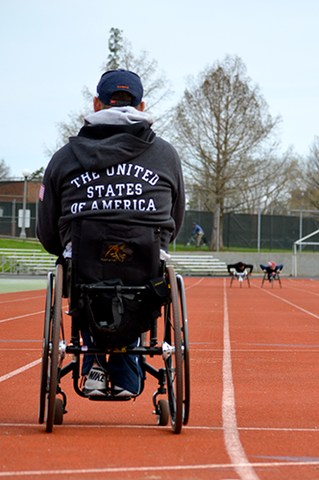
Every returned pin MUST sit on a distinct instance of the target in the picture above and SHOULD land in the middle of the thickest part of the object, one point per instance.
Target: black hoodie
(120, 172)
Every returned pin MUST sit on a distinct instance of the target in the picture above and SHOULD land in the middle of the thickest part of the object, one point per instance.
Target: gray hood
(95, 154)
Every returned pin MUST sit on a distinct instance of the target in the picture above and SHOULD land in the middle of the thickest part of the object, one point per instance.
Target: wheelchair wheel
(54, 354)
(231, 280)
(248, 281)
(173, 359)
(185, 346)
(45, 348)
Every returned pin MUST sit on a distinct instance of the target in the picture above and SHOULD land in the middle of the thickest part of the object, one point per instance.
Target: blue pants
(125, 371)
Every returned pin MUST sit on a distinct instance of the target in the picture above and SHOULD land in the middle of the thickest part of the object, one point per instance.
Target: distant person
(198, 233)
(240, 267)
(271, 269)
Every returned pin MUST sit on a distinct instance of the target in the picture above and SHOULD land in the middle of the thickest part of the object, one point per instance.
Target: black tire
(55, 341)
(231, 280)
(58, 411)
(45, 348)
(162, 412)
(248, 281)
(185, 345)
(174, 363)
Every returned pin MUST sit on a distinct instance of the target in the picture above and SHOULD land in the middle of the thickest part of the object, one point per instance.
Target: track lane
(277, 444)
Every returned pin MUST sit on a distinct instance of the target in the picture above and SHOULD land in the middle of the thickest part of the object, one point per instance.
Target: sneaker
(121, 392)
(95, 382)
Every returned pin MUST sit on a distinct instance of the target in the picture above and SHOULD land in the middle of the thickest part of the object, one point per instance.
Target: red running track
(254, 395)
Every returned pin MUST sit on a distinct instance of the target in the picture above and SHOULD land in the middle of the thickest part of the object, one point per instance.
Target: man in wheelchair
(272, 270)
(239, 268)
(116, 170)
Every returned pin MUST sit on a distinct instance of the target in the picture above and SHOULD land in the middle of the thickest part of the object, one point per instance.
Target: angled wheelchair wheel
(54, 355)
(45, 347)
(185, 349)
(231, 280)
(248, 281)
(173, 355)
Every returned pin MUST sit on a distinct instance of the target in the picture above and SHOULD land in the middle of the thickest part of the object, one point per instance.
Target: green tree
(37, 174)
(115, 47)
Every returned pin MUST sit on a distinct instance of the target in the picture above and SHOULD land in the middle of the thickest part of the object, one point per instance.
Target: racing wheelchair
(240, 276)
(107, 274)
(271, 277)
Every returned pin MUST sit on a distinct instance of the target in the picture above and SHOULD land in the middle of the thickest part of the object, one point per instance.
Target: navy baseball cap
(120, 80)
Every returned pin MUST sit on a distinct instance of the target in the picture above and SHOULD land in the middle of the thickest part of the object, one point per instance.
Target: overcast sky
(51, 49)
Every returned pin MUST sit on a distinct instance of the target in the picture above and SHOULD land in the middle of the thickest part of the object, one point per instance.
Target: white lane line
(289, 303)
(20, 299)
(151, 427)
(20, 370)
(167, 468)
(233, 445)
(21, 316)
(194, 284)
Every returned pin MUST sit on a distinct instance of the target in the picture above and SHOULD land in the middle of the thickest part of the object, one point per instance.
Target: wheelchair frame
(173, 378)
(271, 279)
(240, 276)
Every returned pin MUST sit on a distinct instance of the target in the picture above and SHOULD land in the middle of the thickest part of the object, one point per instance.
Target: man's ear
(141, 107)
(97, 104)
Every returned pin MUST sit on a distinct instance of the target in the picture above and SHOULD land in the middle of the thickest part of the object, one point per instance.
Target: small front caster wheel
(163, 412)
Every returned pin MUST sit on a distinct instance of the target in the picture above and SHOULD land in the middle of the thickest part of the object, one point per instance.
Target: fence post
(218, 227)
(300, 230)
(258, 232)
(13, 218)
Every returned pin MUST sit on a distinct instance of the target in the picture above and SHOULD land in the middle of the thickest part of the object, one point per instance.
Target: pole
(25, 173)
(300, 230)
(258, 232)
(218, 227)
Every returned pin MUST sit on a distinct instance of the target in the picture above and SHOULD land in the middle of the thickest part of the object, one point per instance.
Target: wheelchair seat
(106, 260)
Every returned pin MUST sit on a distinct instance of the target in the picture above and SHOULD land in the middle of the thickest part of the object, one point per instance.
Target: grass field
(7, 242)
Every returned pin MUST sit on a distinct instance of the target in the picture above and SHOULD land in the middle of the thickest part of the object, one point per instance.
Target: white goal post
(302, 241)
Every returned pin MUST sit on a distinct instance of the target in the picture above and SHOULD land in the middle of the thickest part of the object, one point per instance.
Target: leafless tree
(224, 134)
(310, 175)
(4, 170)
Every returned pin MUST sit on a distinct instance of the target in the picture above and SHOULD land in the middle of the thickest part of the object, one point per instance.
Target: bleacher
(197, 264)
(35, 262)
(26, 261)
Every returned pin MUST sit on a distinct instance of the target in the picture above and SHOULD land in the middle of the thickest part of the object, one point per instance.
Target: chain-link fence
(241, 230)
(11, 213)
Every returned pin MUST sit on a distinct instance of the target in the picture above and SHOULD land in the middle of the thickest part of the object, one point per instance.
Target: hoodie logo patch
(120, 252)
